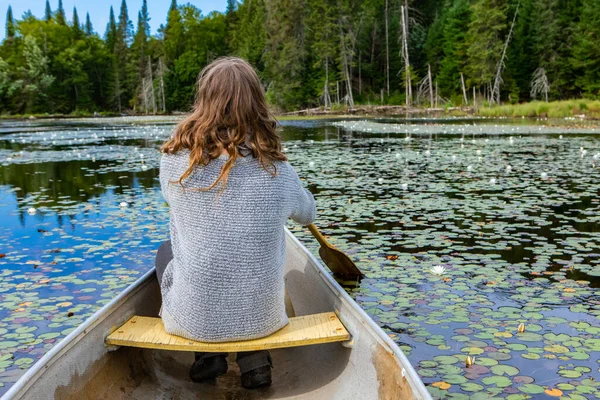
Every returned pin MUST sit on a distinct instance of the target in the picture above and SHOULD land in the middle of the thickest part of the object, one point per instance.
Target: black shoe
(257, 377)
(208, 368)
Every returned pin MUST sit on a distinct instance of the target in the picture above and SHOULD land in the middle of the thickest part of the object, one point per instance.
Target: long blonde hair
(230, 110)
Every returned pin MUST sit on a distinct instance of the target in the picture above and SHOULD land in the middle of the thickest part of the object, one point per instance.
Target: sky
(99, 10)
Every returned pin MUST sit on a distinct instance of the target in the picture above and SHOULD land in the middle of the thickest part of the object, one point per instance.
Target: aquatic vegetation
(438, 270)
(520, 252)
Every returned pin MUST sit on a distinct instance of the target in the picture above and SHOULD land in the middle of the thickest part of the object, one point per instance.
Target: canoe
(369, 366)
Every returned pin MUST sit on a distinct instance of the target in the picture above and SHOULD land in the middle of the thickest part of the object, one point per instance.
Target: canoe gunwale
(71, 339)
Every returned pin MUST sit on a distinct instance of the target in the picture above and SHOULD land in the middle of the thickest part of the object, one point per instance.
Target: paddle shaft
(320, 238)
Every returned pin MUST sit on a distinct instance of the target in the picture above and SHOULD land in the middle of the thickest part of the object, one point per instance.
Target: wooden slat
(150, 333)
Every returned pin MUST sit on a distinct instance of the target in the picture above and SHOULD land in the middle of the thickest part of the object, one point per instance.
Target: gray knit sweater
(225, 282)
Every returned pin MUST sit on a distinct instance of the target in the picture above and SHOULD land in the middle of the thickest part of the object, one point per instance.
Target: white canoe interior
(369, 366)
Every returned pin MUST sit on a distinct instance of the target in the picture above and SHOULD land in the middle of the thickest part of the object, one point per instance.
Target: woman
(230, 192)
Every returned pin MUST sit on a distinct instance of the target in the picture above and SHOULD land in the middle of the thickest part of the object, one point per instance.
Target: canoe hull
(82, 367)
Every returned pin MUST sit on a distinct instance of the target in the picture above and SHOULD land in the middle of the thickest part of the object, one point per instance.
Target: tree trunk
(387, 48)
(430, 85)
(407, 83)
(326, 97)
(464, 90)
(495, 92)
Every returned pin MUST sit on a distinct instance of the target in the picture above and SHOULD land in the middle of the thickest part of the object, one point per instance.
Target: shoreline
(568, 110)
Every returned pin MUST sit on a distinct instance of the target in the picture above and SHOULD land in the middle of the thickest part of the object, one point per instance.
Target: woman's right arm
(305, 208)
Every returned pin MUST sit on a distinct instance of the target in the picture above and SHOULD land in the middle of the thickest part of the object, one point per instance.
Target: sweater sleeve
(305, 208)
(163, 177)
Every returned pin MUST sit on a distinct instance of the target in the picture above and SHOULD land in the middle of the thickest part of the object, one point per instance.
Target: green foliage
(60, 15)
(586, 51)
(286, 52)
(485, 39)
(10, 23)
(454, 50)
(306, 52)
(88, 29)
(48, 12)
(539, 109)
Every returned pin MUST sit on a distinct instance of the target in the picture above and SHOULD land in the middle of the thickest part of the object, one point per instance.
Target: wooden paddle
(338, 262)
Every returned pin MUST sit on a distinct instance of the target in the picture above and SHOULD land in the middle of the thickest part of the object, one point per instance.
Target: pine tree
(485, 39)
(285, 52)
(123, 81)
(77, 33)
(325, 45)
(139, 48)
(89, 29)
(10, 24)
(124, 26)
(111, 31)
(231, 16)
(248, 39)
(48, 12)
(454, 50)
(60, 14)
(586, 51)
(173, 34)
(522, 60)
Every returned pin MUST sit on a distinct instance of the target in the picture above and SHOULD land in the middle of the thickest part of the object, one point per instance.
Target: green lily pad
(531, 388)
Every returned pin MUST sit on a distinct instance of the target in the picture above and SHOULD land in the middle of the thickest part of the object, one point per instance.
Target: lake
(465, 228)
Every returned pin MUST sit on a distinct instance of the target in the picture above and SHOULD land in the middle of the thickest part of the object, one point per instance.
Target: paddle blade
(339, 263)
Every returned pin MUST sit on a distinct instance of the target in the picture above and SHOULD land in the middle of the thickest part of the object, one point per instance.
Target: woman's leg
(163, 256)
(255, 367)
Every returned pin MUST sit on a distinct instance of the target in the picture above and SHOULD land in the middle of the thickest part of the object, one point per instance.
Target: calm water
(511, 211)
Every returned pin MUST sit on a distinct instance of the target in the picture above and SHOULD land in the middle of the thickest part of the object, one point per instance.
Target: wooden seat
(148, 332)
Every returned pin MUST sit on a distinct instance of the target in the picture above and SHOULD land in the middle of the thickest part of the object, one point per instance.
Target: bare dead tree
(161, 71)
(430, 85)
(425, 90)
(359, 73)
(495, 93)
(348, 33)
(404, 53)
(148, 98)
(464, 90)
(326, 94)
(540, 84)
(387, 47)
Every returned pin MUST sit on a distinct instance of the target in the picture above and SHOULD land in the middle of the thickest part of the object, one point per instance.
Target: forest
(308, 53)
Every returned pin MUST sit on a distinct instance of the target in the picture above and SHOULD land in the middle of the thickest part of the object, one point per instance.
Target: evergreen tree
(454, 48)
(48, 12)
(586, 51)
(325, 45)
(285, 52)
(124, 26)
(231, 16)
(522, 60)
(89, 29)
(10, 24)
(173, 34)
(139, 48)
(111, 31)
(60, 14)
(485, 39)
(248, 39)
(123, 82)
(77, 33)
